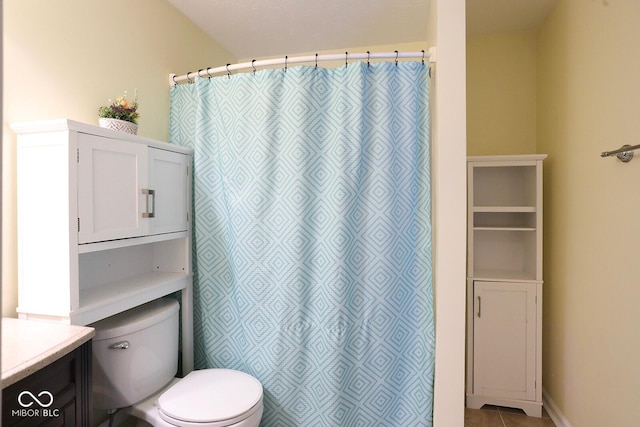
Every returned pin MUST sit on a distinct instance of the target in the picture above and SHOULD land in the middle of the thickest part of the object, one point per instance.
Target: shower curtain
(312, 238)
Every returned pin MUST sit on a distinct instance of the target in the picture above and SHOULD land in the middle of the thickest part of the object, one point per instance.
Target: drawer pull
(479, 306)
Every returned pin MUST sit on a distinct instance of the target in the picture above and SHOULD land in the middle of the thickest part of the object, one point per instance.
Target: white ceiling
(259, 28)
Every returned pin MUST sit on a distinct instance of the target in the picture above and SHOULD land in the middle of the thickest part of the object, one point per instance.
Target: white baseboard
(554, 412)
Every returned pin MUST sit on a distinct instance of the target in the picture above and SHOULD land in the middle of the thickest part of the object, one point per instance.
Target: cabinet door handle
(479, 307)
(149, 193)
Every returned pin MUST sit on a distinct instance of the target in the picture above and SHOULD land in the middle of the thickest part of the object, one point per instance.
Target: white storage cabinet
(103, 223)
(504, 282)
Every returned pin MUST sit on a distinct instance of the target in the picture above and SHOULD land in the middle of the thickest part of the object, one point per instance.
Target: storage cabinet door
(111, 177)
(504, 344)
(169, 198)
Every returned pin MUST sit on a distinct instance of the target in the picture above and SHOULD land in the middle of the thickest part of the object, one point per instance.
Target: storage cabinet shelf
(480, 228)
(504, 283)
(123, 243)
(504, 220)
(505, 276)
(108, 227)
(500, 209)
(113, 298)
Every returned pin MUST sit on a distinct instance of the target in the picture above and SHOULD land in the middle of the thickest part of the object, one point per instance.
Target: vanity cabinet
(504, 282)
(63, 390)
(103, 223)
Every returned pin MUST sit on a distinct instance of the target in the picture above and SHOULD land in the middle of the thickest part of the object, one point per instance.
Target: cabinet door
(68, 380)
(111, 177)
(504, 344)
(168, 184)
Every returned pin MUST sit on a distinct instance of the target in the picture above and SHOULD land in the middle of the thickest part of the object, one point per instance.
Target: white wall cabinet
(129, 190)
(167, 198)
(504, 284)
(103, 223)
(111, 176)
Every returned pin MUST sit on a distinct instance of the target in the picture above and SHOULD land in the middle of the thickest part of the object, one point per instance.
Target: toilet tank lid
(135, 319)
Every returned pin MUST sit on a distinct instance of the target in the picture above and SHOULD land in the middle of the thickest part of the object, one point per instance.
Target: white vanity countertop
(29, 345)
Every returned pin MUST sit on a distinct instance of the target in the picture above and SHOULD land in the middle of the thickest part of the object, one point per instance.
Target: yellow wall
(571, 89)
(588, 102)
(501, 93)
(65, 58)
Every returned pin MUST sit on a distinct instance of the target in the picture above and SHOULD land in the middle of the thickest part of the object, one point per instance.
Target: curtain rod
(430, 55)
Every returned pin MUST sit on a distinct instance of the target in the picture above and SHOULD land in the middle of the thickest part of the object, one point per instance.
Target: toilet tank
(135, 353)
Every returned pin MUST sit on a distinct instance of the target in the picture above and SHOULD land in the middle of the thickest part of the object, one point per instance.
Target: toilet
(135, 359)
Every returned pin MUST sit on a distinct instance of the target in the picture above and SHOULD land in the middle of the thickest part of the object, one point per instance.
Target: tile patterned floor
(494, 416)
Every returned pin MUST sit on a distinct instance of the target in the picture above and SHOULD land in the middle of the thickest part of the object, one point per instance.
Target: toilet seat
(211, 398)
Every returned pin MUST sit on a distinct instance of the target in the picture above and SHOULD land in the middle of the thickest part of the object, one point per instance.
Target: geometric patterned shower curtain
(312, 238)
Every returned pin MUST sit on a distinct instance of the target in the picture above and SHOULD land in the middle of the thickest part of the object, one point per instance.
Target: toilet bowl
(188, 402)
(135, 356)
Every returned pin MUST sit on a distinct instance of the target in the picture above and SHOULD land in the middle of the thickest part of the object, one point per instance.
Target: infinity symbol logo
(35, 399)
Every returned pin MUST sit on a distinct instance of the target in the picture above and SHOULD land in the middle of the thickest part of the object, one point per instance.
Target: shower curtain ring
(396, 57)
(286, 59)
(253, 66)
(422, 56)
(228, 72)
(316, 60)
(208, 73)
(368, 58)
(346, 62)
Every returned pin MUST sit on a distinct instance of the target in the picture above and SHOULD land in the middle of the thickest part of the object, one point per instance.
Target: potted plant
(121, 114)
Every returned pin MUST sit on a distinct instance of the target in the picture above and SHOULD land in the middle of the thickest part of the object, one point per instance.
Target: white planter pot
(119, 125)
